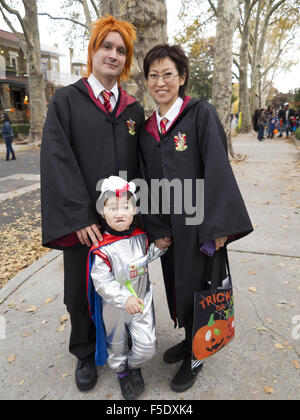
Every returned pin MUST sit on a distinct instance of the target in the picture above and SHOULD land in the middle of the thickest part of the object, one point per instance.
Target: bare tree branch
(280, 51)
(8, 23)
(87, 13)
(64, 18)
(14, 12)
(96, 9)
(213, 7)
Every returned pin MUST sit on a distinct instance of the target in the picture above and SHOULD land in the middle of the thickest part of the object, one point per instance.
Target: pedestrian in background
(285, 114)
(8, 135)
(261, 122)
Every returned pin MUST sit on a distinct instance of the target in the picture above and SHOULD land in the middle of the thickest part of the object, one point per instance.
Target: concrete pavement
(263, 362)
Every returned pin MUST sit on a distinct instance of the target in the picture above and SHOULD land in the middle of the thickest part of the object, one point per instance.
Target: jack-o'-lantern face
(210, 338)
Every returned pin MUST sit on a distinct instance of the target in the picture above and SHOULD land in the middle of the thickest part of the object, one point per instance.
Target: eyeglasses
(167, 77)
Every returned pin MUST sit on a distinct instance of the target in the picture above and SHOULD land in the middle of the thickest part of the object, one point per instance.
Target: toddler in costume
(119, 291)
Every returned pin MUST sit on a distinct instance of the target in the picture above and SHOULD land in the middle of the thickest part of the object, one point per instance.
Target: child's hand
(163, 243)
(133, 305)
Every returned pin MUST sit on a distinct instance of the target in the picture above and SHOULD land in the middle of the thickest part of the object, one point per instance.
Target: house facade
(14, 92)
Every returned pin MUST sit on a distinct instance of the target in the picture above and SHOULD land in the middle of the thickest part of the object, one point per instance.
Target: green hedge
(19, 129)
(297, 133)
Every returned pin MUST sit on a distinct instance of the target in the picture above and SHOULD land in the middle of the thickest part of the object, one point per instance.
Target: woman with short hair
(184, 143)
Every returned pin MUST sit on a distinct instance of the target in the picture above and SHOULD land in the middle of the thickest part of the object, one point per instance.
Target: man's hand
(133, 305)
(90, 235)
(163, 243)
(220, 242)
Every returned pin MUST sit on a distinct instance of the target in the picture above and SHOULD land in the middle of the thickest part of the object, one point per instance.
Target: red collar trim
(109, 239)
(151, 123)
(125, 99)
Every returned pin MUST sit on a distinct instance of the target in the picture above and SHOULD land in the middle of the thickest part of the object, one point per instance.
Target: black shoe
(86, 374)
(176, 353)
(14, 158)
(137, 381)
(126, 386)
(185, 377)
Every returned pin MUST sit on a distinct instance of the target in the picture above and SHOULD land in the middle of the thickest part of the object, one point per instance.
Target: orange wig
(101, 27)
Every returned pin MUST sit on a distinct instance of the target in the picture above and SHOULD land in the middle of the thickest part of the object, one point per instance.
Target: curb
(26, 274)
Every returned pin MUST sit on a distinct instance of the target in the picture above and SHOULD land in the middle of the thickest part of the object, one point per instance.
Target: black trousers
(83, 332)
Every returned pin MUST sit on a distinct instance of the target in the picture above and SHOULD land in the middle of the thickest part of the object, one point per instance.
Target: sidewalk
(263, 362)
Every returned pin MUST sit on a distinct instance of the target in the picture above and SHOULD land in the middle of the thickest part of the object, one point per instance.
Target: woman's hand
(88, 234)
(133, 305)
(220, 242)
(163, 243)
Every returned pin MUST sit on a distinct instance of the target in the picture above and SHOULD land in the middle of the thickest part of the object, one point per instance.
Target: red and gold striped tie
(106, 96)
(163, 125)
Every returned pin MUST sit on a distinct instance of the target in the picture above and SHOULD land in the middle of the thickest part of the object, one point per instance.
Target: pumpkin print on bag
(210, 338)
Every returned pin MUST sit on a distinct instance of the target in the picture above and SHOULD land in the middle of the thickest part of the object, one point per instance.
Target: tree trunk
(246, 125)
(222, 85)
(36, 81)
(150, 20)
(258, 49)
(31, 46)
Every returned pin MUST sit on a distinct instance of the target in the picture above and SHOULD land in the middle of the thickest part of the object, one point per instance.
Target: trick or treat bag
(213, 310)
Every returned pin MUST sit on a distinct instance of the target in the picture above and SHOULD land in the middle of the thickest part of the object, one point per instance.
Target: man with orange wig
(91, 132)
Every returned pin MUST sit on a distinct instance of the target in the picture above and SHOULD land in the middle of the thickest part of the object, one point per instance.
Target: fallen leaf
(64, 318)
(252, 289)
(61, 328)
(252, 273)
(269, 390)
(296, 363)
(48, 300)
(12, 358)
(281, 264)
(65, 375)
(31, 309)
(279, 346)
(21, 383)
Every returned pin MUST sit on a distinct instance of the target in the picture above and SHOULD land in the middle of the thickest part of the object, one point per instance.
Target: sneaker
(185, 377)
(126, 386)
(137, 380)
(176, 353)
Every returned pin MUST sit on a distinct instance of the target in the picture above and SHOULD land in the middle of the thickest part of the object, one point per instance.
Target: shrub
(297, 133)
(19, 129)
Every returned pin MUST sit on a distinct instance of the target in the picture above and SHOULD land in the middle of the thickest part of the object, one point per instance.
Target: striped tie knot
(106, 96)
(163, 125)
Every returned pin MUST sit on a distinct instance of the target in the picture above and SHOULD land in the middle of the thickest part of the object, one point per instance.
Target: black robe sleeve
(225, 213)
(157, 226)
(65, 202)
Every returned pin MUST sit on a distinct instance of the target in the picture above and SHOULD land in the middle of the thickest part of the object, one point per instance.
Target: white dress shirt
(171, 114)
(97, 88)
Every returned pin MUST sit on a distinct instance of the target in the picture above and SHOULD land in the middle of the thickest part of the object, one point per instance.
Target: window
(13, 61)
(54, 65)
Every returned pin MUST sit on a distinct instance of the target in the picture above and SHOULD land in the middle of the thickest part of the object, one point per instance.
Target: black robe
(202, 154)
(81, 145)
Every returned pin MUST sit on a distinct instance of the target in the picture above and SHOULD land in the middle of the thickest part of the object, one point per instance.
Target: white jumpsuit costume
(126, 258)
